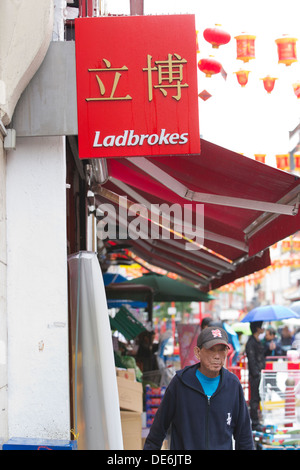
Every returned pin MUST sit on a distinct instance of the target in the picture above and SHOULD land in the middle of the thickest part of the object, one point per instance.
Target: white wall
(38, 377)
(3, 329)
(25, 33)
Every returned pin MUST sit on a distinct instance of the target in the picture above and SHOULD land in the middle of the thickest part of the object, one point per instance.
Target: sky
(246, 120)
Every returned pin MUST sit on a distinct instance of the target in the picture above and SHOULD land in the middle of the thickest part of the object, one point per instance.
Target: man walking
(256, 362)
(204, 403)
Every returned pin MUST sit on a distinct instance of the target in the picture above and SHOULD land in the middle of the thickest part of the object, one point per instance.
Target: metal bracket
(10, 140)
(296, 206)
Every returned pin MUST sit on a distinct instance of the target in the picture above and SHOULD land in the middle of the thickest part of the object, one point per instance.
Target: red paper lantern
(282, 161)
(286, 48)
(245, 47)
(242, 77)
(209, 66)
(216, 36)
(197, 43)
(260, 157)
(269, 83)
(297, 161)
(296, 87)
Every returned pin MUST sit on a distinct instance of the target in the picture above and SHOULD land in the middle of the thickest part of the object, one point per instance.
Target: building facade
(34, 369)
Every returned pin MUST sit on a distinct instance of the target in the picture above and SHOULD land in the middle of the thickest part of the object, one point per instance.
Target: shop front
(142, 181)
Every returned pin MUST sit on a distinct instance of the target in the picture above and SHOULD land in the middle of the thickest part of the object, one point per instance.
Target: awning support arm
(240, 245)
(171, 183)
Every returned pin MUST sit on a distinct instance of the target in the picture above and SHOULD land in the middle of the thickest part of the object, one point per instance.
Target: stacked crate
(154, 395)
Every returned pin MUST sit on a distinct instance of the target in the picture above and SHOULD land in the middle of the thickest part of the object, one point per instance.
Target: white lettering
(183, 138)
(163, 138)
(96, 140)
(121, 139)
(109, 141)
(155, 459)
(166, 222)
(166, 211)
(120, 460)
(106, 227)
(143, 137)
(152, 139)
(138, 227)
(174, 138)
(123, 217)
(133, 139)
(194, 231)
(130, 139)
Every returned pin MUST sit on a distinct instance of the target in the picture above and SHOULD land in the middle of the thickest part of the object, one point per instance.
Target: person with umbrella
(256, 362)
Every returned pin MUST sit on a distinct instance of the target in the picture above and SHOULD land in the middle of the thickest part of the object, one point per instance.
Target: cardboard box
(130, 395)
(126, 373)
(131, 422)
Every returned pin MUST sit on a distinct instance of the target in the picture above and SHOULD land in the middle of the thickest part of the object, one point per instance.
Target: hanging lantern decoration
(216, 36)
(286, 48)
(269, 83)
(242, 77)
(296, 87)
(204, 95)
(297, 161)
(209, 66)
(282, 161)
(197, 43)
(245, 47)
(260, 157)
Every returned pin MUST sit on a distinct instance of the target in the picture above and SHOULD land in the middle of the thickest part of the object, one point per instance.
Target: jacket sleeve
(243, 433)
(253, 366)
(162, 420)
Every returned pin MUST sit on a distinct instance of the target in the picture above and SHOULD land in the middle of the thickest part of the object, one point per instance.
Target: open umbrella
(295, 306)
(167, 289)
(112, 278)
(269, 313)
(131, 303)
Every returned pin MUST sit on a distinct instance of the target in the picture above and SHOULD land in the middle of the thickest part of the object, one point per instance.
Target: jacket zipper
(207, 420)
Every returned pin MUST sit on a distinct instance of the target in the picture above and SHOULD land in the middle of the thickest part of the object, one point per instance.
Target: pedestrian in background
(286, 339)
(272, 345)
(205, 322)
(272, 349)
(256, 362)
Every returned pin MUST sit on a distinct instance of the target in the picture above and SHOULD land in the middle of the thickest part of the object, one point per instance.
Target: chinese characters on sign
(102, 89)
(169, 71)
(141, 98)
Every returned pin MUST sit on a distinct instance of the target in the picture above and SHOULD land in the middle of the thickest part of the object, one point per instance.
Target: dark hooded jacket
(198, 423)
(256, 356)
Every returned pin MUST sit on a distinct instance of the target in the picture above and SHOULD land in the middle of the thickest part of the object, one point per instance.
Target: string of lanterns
(293, 261)
(286, 254)
(283, 161)
(245, 51)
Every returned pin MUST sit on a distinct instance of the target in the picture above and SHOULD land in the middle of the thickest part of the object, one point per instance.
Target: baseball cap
(211, 336)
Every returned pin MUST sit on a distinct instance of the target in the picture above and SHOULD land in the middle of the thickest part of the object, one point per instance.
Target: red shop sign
(137, 86)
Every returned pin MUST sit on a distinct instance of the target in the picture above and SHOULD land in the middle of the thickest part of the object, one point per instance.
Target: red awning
(248, 206)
